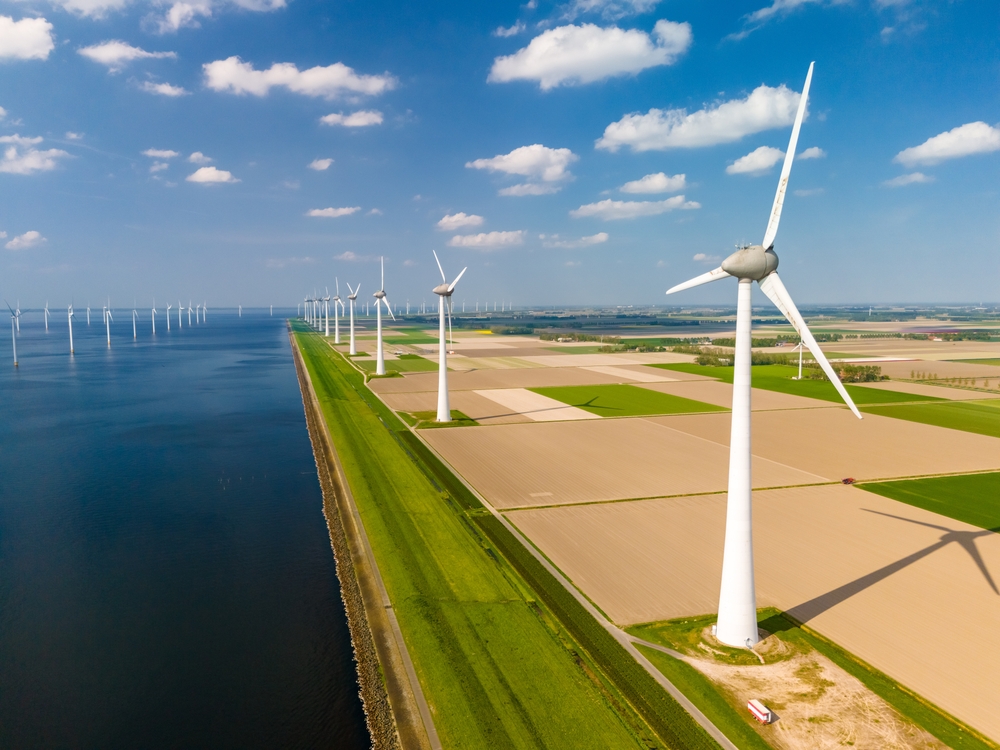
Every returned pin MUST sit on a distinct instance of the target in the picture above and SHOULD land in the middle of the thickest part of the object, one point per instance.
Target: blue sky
(593, 151)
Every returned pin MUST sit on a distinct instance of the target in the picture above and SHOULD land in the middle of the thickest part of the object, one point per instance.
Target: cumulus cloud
(320, 165)
(70, 135)
(537, 162)
(572, 54)
(764, 108)
(3, 113)
(965, 140)
(703, 258)
(198, 158)
(360, 119)
(27, 39)
(514, 30)
(21, 157)
(116, 54)
(554, 241)
(186, 13)
(211, 175)
(159, 153)
(163, 89)
(374, 212)
(488, 240)
(908, 179)
(609, 9)
(158, 166)
(332, 213)
(812, 153)
(757, 162)
(451, 222)
(349, 255)
(237, 77)
(24, 241)
(656, 183)
(610, 210)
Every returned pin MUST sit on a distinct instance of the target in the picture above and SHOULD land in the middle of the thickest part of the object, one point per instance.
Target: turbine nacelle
(443, 290)
(751, 262)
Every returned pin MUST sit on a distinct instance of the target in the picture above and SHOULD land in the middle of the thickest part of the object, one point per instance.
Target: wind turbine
(88, 313)
(13, 333)
(336, 315)
(169, 308)
(189, 313)
(380, 297)
(17, 317)
(46, 316)
(799, 347)
(204, 312)
(240, 310)
(152, 315)
(444, 291)
(69, 319)
(107, 324)
(351, 298)
(180, 320)
(737, 623)
(326, 311)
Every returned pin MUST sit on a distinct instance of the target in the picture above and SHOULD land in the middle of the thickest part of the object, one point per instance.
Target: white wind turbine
(152, 316)
(169, 308)
(46, 316)
(88, 313)
(189, 313)
(13, 331)
(180, 320)
(17, 317)
(444, 291)
(799, 347)
(326, 312)
(336, 314)
(737, 624)
(352, 297)
(107, 324)
(381, 298)
(69, 319)
(135, 317)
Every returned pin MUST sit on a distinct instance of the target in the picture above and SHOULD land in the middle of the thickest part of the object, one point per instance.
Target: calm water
(166, 578)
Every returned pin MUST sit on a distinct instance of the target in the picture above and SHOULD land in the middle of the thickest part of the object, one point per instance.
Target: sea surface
(166, 577)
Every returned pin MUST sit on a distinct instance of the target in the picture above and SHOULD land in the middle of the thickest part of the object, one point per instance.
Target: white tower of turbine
(107, 323)
(69, 318)
(444, 291)
(46, 316)
(326, 312)
(152, 316)
(737, 625)
(352, 297)
(169, 308)
(381, 299)
(336, 313)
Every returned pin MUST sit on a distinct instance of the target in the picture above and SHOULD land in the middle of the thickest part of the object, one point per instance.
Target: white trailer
(760, 712)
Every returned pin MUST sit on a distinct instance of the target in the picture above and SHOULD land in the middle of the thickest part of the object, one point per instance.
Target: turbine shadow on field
(966, 539)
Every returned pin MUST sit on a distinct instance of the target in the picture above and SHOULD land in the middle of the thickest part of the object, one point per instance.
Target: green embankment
(624, 400)
(506, 656)
(982, 417)
(779, 378)
(970, 498)
(990, 361)
(730, 716)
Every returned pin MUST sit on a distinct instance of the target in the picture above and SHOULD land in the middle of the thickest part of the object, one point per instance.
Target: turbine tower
(326, 312)
(336, 315)
(135, 317)
(381, 298)
(107, 324)
(444, 291)
(152, 316)
(13, 331)
(737, 624)
(69, 318)
(351, 298)
(169, 308)
(46, 316)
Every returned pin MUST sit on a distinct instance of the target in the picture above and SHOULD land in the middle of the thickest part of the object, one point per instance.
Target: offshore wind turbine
(107, 324)
(444, 291)
(135, 316)
(17, 316)
(169, 308)
(737, 623)
(180, 320)
(189, 313)
(152, 316)
(69, 319)
(46, 316)
(381, 298)
(88, 313)
(351, 298)
(13, 332)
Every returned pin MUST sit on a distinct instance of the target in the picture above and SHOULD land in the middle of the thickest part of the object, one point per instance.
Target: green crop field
(982, 417)
(408, 336)
(506, 656)
(624, 400)
(994, 362)
(779, 378)
(971, 498)
(404, 363)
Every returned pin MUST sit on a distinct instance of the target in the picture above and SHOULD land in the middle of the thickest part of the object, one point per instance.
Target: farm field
(982, 417)
(624, 400)
(970, 498)
(992, 361)
(402, 363)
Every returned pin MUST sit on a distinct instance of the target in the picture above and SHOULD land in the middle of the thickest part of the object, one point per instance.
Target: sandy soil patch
(647, 375)
(483, 410)
(929, 350)
(721, 394)
(819, 705)
(902, 370)
(601, 459)
(460, 362)
(834, 444)
(539, 377)
(534, 406)
(895, 585)
(597, 360)
(935, 391)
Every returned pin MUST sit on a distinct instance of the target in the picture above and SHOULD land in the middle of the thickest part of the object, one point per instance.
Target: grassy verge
(506, 656)
(403, 363)
(779, 378)
(971, 498)
(990, 361)
(681, 634)
(982, 417)
(427, 420)
(624, 400)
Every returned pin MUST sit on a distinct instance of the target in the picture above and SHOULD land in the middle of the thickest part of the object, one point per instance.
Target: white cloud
(536, 162)
(908, 179)
(374, 212)
(198, 158)
(703, 258)
(3, 113)
(587, 53)
(725, 122)
(965, 140)
(211, 175)
(360, 119)
(807, 193)
(514, 30)
(26, 240)
(757, 162)
(163, 89)
(71, 136)
(488, 240)
(116, 54)
(158, 166)
(656, 183)
(27, 39)
(529, 188)
(237, 77)
(185, 13)
(812, 153)
(451, 222)
(159, 153)
(610, 9)
(21, 156)
(348, 256)
(594, 239)
(758, 18)
(333, 213)
(610, 210)
(320, 165)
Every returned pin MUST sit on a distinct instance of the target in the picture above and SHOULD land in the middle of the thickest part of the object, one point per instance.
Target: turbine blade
(451, 336)
(705, 278)
(775, 290)
(451, 287)
(779, 197)
(382, 260)
(444, 279)
(388, 307)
